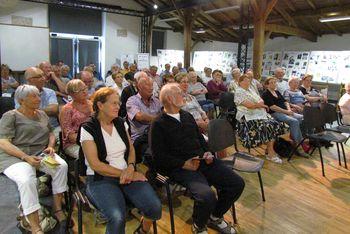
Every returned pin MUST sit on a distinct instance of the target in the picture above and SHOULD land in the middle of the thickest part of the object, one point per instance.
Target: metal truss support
(242, 53)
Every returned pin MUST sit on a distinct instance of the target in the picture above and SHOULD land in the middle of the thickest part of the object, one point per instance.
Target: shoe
(302, 154)
(221, 226)
(139, 230)
(196, 230)
(274, 159)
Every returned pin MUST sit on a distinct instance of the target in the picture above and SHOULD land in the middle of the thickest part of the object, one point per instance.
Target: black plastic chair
(221, 136)
(227, 105)
(314, 120)
(6, 104)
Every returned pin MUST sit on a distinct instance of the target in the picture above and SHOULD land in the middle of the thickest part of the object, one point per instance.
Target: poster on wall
(325, 65)
(344, 68)
(126, 57)
(295, 63)
(271, 60)
(142, 60)
(222, 60)
(169, 56)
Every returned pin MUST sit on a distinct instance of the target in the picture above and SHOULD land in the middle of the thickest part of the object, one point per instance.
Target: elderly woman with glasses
(73, 114)
(26, 133)
(191, 104)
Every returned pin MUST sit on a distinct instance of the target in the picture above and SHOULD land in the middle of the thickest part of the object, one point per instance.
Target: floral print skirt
(253, 133)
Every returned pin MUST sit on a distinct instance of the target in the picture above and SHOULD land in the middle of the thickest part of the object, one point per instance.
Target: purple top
(135, 105)
(215, 90)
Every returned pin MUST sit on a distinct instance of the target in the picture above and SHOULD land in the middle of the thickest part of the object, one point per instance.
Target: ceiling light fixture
(222, 9)
(155, 6)
(336, 18)
(200, 30)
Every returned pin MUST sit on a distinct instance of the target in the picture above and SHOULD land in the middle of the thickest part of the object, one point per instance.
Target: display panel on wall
(271, 60)
(169, 56)
(330, 66)
(222, 60)
(295, 63)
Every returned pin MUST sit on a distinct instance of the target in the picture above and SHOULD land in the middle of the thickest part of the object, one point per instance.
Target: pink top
(70, 120)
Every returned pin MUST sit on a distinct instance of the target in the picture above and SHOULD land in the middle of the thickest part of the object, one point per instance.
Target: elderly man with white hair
(26, 143)
(181, 153)
(344, 104)
(142, 109)
(282, 85)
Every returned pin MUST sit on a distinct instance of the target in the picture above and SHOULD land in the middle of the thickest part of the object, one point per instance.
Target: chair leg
(233, 210)
(155, 231)
(342, 148)
(171, 211)
(321, 158)
(261, 187)
(338, 154)
(80, 217)
(295, 149)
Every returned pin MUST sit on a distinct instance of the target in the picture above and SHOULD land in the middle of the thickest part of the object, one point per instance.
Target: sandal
(274, 159)
(139, 229)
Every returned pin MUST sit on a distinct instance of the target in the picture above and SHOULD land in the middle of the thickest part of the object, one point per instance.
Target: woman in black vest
(110, 166)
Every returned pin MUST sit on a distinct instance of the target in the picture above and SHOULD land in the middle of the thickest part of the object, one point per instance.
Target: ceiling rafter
(292, 31)
(311, 4)
(286, 16)
(290, 5)
(331, 27)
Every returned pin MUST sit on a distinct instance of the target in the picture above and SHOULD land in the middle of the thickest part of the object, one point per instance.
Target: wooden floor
(298, 200)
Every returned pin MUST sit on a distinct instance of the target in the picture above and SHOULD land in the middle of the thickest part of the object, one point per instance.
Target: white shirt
(282, 86)
(175, 116)
(110, 82)
(115, 148)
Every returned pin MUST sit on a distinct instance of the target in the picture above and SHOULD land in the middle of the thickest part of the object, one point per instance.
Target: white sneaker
(196, 230)
(220, 225)
(274, 159)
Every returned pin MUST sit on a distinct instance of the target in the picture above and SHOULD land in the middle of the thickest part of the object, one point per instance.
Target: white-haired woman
(73, 114)
(24, 134)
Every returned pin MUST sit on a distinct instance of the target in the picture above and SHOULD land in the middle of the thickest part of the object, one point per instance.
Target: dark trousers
(228, 184)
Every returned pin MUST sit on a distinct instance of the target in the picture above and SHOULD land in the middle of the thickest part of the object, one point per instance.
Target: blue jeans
(110, 198)
(206, 105)
(293, 123)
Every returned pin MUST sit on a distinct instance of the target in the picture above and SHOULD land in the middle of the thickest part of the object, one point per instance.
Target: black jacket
(174, 142)
(126, 93)
(93, 127)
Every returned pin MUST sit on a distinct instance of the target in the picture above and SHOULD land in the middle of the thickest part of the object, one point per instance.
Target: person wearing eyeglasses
(48, 104)
(73, 114)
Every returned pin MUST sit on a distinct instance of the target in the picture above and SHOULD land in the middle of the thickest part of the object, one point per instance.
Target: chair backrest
(227, 101)
(6, 104)
(313, 118)
(329, 112)
(221, 135)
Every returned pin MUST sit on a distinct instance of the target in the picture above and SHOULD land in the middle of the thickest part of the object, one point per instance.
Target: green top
(29, 135)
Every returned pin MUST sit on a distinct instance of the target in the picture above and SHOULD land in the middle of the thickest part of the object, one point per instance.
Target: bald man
(49, 104)
(178, 147)
(344, 104)
(142, 109)
(52, 81)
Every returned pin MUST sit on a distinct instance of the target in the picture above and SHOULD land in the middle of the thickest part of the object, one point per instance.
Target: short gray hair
(24, 90)
(139, 75)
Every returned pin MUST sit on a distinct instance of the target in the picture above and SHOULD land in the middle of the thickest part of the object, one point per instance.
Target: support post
(188, 22)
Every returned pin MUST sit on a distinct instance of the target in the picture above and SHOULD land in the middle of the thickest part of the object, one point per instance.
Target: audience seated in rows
(26, 132)
(165, 72)
(175, 70)
(255, 125)
(191, 104)
(65, 71)
(198, 90)
(255, 85)
(178, 146)
(110, 161)
(8, 83)
(168, 78)
(119, 83)
(155, 77)
(128, 91)
(58, 73)
(294, 96)
(88, 80)
(216, 86)
(344, 105)
(280, 110)
(142, 109)
(109, 79)
(181, 68)
(73, 114)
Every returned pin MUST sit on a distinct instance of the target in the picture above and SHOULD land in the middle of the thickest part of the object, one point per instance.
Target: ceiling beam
(291, 31)
(179, 5)
(334, 30)
(286, 16)
(290, 5)
(269, 8)
(311, 4)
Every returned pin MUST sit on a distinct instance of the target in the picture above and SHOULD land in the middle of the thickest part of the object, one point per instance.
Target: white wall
(38, 12)
(326, 42)
(116, 46)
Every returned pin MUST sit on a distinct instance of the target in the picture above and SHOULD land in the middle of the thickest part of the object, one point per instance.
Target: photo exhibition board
(169, 56)
(330, 66)
(295, 63)
(271, 60)
(222, 60)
